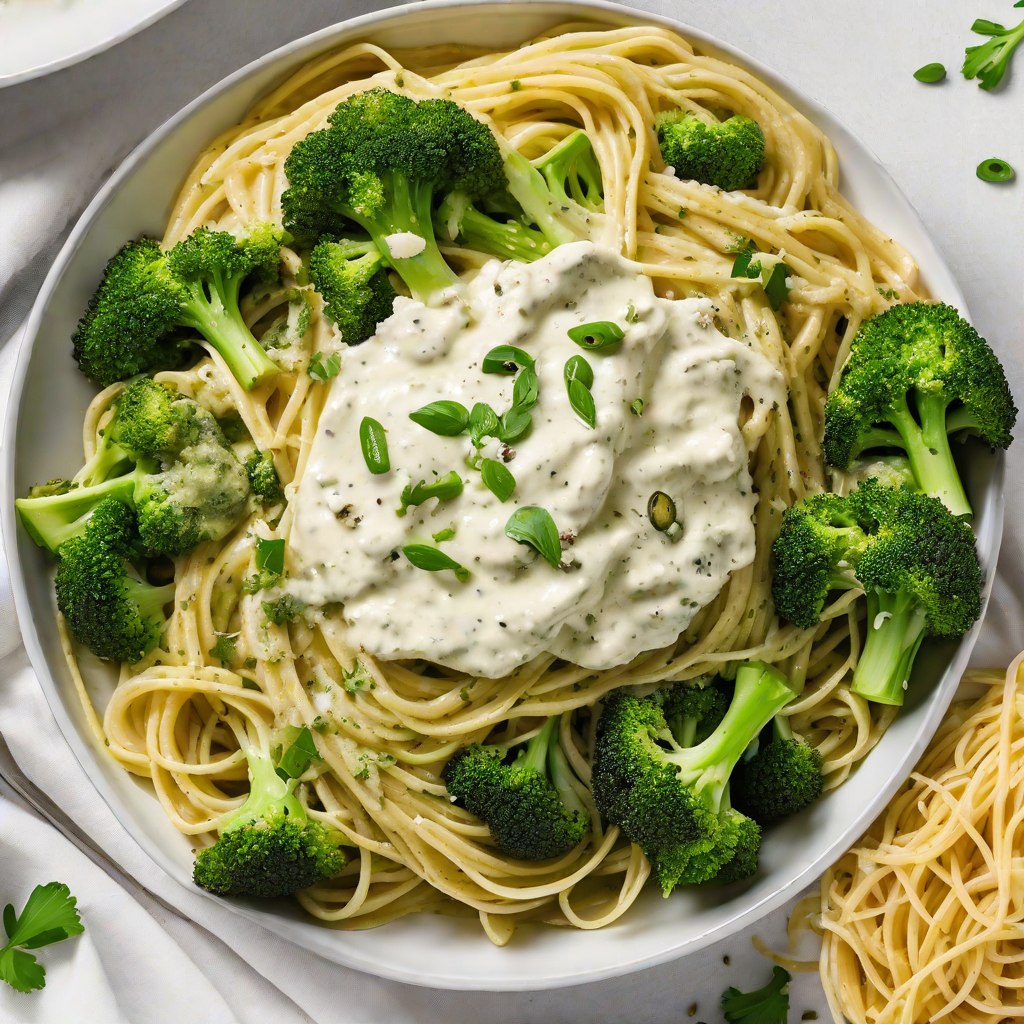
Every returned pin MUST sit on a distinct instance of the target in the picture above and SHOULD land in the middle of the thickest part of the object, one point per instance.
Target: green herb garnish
(449, 419)
(636, 407)
(321, 369)
(250, 684)
(995, 170)
(775, 287)
(423, 556)
(374, 443)
(988, 61)
(505, 359)
(525, 389)
(577, 368)
(270, 556)
(49, 916)
(444, 489)
(299, 755)
(515, 422)
(742, 267)
(483, 422)
(600, 334)
(442, 535)
(497, 479)
(224, 650)
(534, 526)
(579, 377)
(930, 73)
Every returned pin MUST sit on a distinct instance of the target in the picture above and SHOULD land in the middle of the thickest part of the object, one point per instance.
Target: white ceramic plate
(40, 36)
(44, 428)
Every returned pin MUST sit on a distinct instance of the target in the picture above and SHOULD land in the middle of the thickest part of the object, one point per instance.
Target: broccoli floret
(357, 293)
(186, 484)
(263, 478)
(988, 61)
(110, 611)
(695, 709)
(782, 777)
(271, 847)
(146, 294)
(380, 163)
(888, 470)
(917, 374)
(530, 804)
(224, 650)
(674, 801)
(728, 154)
(283, 609)
(768, 1005)
(552, 203)
(914, 559)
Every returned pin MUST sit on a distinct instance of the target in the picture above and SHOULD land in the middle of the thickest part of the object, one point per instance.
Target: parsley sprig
(49, 916)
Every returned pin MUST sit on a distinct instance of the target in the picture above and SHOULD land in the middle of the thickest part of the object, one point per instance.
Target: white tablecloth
(61, 135)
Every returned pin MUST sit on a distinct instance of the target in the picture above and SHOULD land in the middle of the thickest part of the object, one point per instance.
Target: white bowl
(43, 431)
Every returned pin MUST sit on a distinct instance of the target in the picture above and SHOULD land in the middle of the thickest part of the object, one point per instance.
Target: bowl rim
(318, 42)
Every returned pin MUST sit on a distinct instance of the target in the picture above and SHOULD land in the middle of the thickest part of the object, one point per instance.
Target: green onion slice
(931, 73)
(444, 489)
(506, 359)
(270, 556)
(446, 418)
(534, 526)
(374, 443)
(497, 479)
(423, 556)
(577, 368)
(600, 334)
(995, 170)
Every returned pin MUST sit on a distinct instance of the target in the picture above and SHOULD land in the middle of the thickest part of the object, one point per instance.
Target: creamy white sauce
(624, 587)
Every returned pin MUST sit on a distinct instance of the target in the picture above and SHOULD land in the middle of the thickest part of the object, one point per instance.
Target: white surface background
(61, 135)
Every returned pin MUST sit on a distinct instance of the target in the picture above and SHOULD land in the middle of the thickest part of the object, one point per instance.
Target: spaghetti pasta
(178, 717)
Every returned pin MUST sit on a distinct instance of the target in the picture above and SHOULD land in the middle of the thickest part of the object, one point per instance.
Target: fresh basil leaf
(525, 390)
(323, 370)
(514, 424)
(449, 419)
(741, 264)
(483, 422)
(534, 526)
(497, 479)
(582, 402)
(270, 556)
(577, 368)
(506, 359)
(299, 756)
(930, 73)
(374, 443)
(775, 287)
(423, 556)
(600, 334)
(444, 489)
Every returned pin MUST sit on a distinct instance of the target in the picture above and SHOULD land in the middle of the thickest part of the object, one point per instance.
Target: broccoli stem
(896, 627)
(509, 240)
(103, 465)
(212, 310)
(531, 191)
(269, 794)
(150, 600)
(927, 447)
(544, 755)
(408, 209)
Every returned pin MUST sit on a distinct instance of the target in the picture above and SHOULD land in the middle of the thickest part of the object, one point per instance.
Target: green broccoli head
(282, 609)
(819, 538)
(673, 801)
(695, 708)
(530, 805)
(380, 163)
(782, 778)
(263, 478)
(916, 374)
(115, 614)
(355, 287)
(729, 154)
(153, 420)
(146, 295)
(573, 172)
(271, 847)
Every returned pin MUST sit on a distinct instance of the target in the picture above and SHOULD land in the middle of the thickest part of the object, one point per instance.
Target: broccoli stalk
(355, 287)
(674, 801)
(914, 559)
(531, 805)
(380, 163)
(146, 294)
(271, 847)
(728, 154)
(916, 374)
(988, 61)
(573, 173)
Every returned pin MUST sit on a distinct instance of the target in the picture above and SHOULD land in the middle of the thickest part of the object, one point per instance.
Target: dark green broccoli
(768, 1005)
(186, 484)
(552, 203)
(530, 805)
(271, 847)
(728, 154)
(782, 777)
(147, 294)
(917, 374)
(695, 709)
(263, 478)
(355, 287)
(108, 609)
(915, 561)
(380, 164)
(673, 801)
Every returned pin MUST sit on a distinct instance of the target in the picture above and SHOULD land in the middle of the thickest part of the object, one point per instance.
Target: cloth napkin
(59, 138)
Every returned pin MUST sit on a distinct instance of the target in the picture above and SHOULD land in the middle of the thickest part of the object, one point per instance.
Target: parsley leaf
(49, 916)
